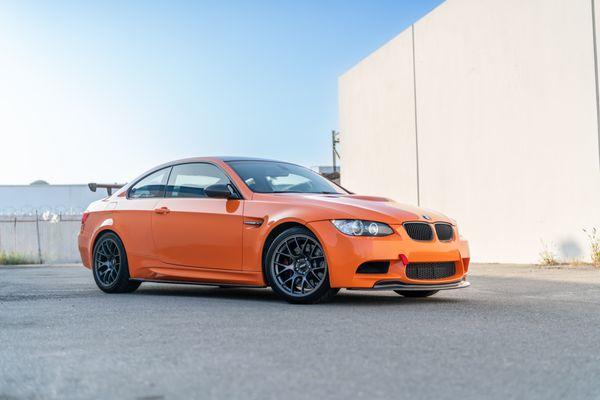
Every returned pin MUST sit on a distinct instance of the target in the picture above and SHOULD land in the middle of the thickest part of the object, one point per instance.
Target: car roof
(233, 158)
(215, 158)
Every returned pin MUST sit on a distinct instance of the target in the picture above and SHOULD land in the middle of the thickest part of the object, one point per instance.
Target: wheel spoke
(318, 267)
(282, 271)
(308, 283)
(313, 273)
(106, 247)
(287, 266)
(290, 250)
(298, 265)
(107, 261)
(281, 253)
(102, 250)
(303, 250)
(290, 278)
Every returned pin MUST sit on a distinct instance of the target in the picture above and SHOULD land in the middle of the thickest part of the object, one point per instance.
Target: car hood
(381, 209)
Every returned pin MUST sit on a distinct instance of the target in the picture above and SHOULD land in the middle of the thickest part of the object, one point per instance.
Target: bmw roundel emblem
(427, 217)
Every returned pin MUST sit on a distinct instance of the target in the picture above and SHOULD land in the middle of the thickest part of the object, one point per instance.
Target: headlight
(357, 227)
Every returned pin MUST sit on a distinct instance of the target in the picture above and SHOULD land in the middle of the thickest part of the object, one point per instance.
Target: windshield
(278, 177)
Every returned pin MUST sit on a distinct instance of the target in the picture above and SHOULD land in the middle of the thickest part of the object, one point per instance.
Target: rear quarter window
(151, 186)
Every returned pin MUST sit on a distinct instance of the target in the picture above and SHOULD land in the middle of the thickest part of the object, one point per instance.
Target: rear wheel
(416, 293)
(296, 268)
(110, 267)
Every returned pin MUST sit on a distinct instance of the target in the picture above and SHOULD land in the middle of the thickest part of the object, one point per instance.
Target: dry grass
(548, 255)
(16, 259)
(594, 238)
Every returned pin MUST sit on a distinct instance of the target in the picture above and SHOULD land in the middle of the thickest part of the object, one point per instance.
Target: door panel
(133, 214)
(133, 218)
(199, 232)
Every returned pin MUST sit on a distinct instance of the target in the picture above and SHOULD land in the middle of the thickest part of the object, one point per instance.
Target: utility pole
(335, 140)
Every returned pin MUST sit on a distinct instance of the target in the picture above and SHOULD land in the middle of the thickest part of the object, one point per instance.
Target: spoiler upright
(108, 186)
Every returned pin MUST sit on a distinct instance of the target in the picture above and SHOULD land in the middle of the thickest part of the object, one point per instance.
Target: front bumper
(346, 253)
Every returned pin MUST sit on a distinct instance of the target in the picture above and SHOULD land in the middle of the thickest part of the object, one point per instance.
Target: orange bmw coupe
(235, 221)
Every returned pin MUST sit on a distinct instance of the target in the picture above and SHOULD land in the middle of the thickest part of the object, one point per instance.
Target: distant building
(327, 172)
(325, 169)
(42, 197)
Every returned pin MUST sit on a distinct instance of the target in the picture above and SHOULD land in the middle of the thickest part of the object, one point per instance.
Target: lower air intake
(438, 270)
(374, 267)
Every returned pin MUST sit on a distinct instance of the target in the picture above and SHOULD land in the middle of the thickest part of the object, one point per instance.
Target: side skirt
(237, 285)
(194, 275)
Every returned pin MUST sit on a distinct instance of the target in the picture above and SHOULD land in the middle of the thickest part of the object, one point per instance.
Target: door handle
(162, 210)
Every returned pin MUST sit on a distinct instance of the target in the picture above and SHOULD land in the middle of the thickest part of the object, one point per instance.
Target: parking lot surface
(518, 333)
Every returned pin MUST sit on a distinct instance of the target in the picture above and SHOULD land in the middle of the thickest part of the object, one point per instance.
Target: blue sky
(101, 91)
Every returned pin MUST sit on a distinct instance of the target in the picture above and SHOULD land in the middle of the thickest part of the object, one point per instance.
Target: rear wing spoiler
(108, 186)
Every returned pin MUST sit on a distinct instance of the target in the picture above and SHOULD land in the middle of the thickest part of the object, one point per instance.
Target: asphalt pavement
(518, 333)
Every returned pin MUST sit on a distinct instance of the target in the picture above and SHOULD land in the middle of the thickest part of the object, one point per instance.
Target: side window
(151, 186)
(189, 180)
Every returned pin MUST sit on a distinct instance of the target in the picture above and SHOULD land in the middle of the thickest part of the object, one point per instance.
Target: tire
(110, 267)
(416, 293)
(296, 258)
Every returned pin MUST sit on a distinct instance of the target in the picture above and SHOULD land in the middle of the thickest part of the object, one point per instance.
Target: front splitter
(405, 286)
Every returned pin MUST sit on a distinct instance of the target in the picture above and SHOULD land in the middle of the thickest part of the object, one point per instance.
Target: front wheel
(110, 268)
(416, 293)
(296, 268)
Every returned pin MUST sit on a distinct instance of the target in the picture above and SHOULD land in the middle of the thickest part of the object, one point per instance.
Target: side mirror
(221, 191)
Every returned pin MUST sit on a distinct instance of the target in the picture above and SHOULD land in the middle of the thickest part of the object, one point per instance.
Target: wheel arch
(273, 233)
(103, 232)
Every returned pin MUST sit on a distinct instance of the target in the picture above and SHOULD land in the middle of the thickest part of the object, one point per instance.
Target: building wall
(377, 121)
(506, 124)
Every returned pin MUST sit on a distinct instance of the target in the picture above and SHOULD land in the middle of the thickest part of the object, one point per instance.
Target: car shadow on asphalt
(364, 297)
(344, 298)
(233, 293)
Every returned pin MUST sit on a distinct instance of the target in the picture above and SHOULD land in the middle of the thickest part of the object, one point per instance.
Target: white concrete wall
(506, 123)
(57, 239)
(58, 234)
(377, 112)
